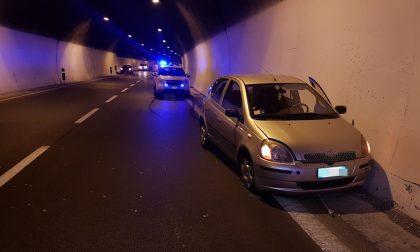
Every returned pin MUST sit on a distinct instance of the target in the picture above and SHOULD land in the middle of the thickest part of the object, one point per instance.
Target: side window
(217, 89)
(232, 98)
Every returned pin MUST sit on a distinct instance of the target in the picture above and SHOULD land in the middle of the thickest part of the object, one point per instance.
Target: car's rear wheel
(247, 172)
(204, 140)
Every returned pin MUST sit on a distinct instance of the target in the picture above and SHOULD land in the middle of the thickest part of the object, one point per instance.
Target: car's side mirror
(341, 109)
(233, 113)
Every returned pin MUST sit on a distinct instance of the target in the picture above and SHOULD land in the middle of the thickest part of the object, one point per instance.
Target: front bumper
(181, 88)
(302, 177)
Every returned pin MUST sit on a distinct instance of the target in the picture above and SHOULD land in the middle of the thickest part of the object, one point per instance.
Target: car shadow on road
(171, 97)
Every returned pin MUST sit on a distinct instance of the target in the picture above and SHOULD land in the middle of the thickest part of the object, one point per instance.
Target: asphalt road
(130, 177)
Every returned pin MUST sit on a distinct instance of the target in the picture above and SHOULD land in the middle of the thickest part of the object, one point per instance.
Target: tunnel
(362, 53)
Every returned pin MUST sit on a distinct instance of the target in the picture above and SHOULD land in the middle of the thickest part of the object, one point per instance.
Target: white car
(171, 80)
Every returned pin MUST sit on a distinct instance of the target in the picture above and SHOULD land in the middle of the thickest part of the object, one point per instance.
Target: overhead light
(155, 1)
(172, 50)
(168, 47)
(164, 41)
(130, 36)
(159, 30)
(106, 18)
(151, 49)
(142, 44)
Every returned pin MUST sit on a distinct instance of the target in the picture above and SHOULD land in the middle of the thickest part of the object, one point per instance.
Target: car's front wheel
(156, 93)
(204, 140)
(247, 172)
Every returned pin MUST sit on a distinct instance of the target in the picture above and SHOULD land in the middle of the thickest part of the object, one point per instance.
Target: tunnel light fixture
(159, 30)
(168, 47)
(155, 1)
(130, 36)
(164, 41)
(142, 44)
(151, 49)
(106, 18)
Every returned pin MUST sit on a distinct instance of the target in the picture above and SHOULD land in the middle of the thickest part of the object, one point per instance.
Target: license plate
(339, 171)
(174, 87)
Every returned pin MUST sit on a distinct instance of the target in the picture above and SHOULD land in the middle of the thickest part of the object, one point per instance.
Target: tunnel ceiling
(81, 21)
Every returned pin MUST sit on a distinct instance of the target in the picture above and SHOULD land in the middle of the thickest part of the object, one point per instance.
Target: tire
(204, 139)
(247, 172)
(156, 93)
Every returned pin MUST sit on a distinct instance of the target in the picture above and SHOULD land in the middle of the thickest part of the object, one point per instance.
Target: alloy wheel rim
(246, 173)
(203, 135)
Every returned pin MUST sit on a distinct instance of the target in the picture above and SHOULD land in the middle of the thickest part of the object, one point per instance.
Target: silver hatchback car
(284, 134)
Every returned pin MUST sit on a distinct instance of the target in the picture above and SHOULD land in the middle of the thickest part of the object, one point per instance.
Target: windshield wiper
(308, 116)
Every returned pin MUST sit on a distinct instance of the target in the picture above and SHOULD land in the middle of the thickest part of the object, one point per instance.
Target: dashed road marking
(22, 164)
(132, 85)
(111, 99)
(83, 118)
(138, 82)
(124, 90)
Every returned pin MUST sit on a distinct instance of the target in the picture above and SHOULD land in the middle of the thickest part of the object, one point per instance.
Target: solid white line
(111, 99)
(21, 165)
(83, 118)
(322, 236)
(124, 90)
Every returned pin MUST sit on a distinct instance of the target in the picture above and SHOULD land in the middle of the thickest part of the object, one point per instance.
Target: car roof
(249, 79)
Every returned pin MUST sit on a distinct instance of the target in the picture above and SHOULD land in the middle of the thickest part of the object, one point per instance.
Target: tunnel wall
(29, 61)
(365, 55)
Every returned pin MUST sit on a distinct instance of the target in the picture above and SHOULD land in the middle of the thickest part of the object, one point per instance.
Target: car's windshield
(287, 102)
(171, 71)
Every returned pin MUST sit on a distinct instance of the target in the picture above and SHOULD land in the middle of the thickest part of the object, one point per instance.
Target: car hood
(168, 77)
(313, 136)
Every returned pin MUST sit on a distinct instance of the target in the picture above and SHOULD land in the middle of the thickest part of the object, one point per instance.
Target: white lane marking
(125, 89)
(111, 99)
(132, 85)
(138, 82)
(21, 165)
(83, 118)
(322, 236)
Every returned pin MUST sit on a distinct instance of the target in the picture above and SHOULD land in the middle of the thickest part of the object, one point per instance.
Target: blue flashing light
(163, 63)
(182, 85)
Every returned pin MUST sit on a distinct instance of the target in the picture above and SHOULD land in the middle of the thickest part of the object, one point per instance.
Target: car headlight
(276, 152)
(365, 147)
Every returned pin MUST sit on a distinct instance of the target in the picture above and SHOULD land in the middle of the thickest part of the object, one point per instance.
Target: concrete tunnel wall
(365, 55)
(29, 61)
